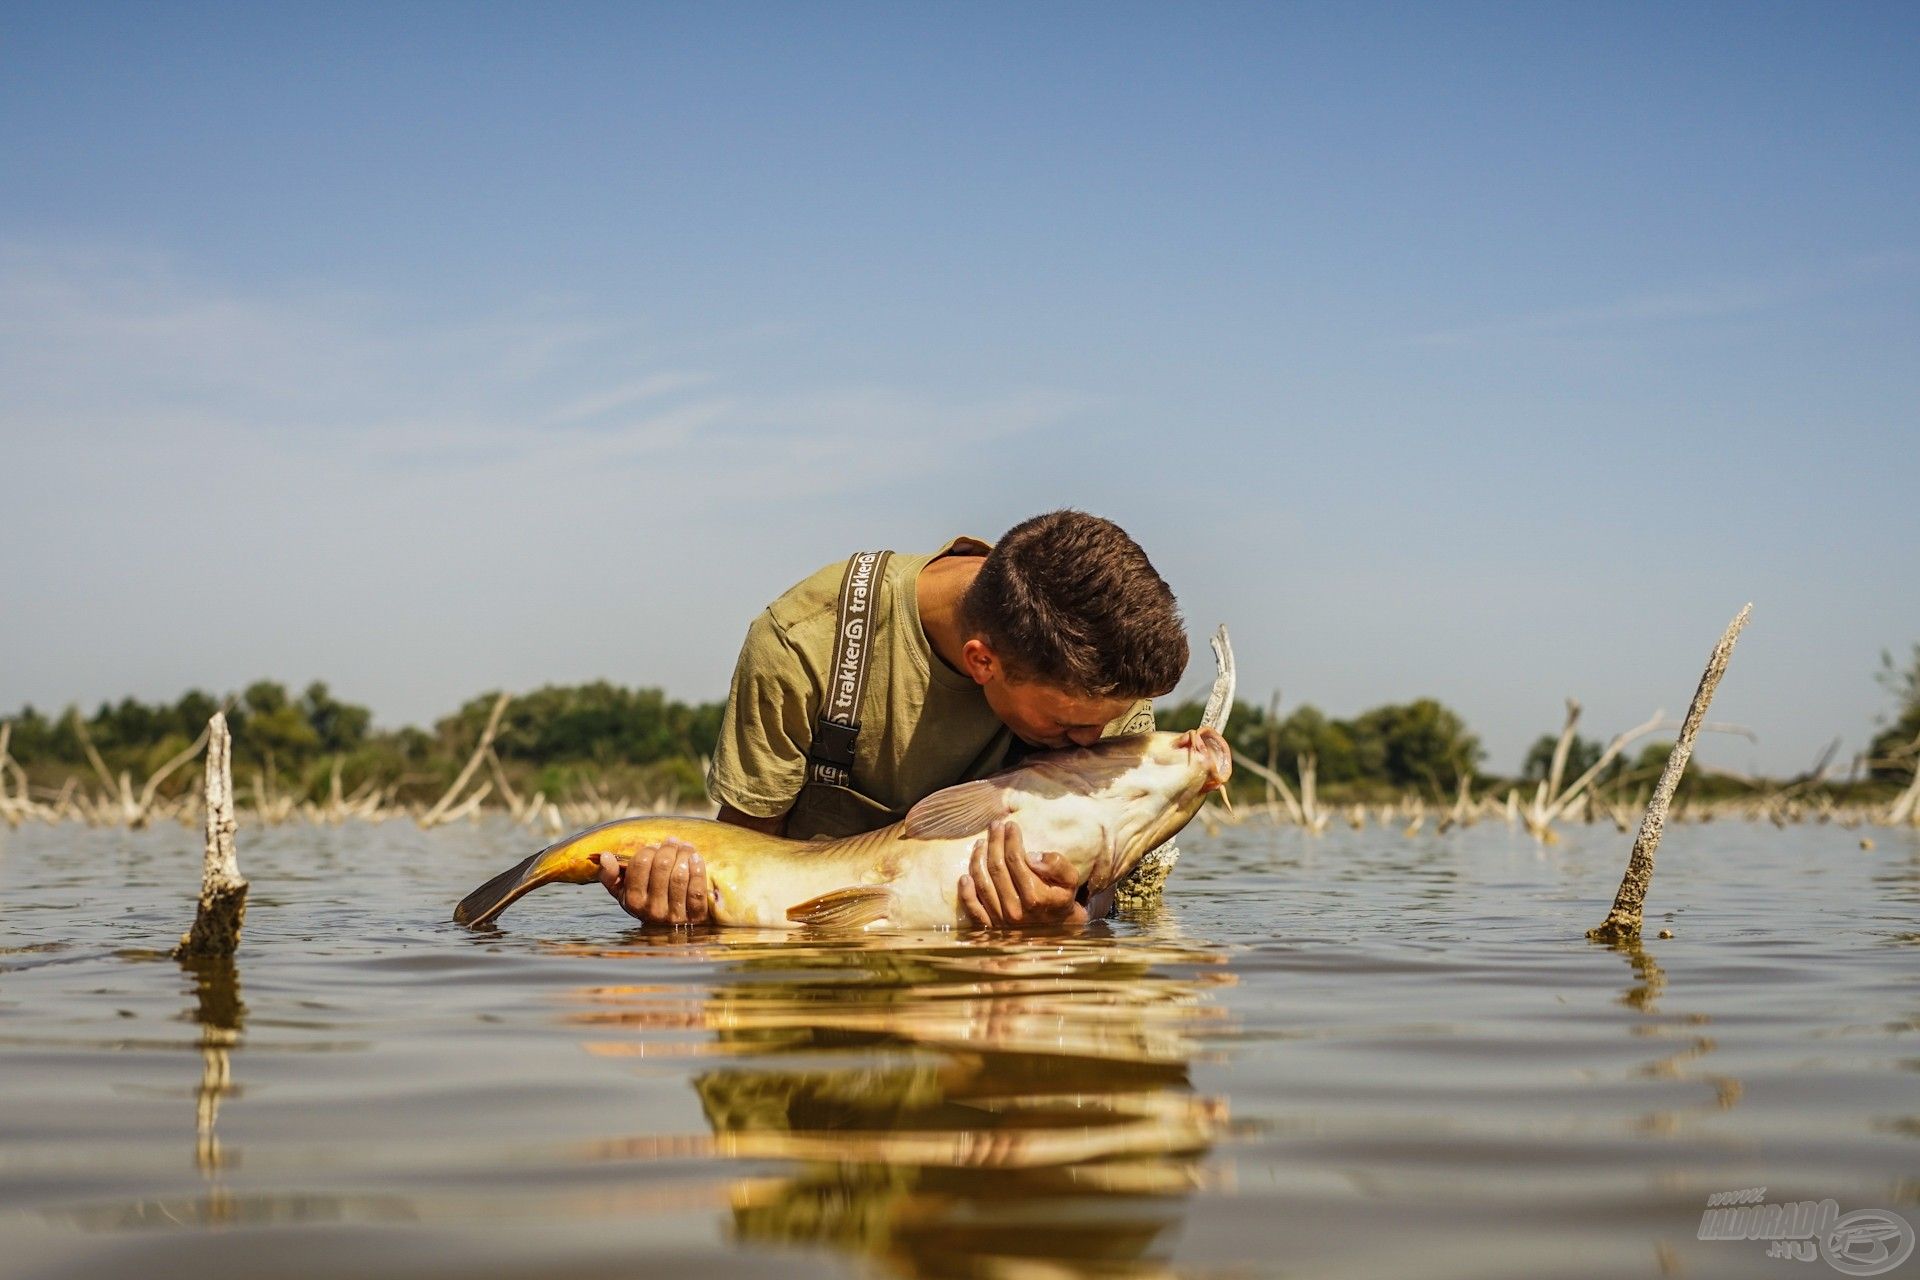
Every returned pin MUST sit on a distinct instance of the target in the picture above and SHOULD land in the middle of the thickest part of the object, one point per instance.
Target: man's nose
(1083, 737)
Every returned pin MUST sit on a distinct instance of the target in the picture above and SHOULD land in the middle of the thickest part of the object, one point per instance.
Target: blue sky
(1491, 352)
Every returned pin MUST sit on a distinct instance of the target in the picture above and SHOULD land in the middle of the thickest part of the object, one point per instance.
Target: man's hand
(1008, 889)
(663, 883)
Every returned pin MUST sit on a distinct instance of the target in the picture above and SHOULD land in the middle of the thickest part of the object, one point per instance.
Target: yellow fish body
(1100, 807)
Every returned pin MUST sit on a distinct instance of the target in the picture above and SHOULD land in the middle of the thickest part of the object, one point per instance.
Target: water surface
(1362, 1055)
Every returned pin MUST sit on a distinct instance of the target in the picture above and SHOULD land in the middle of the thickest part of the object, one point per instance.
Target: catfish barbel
(1100, 807)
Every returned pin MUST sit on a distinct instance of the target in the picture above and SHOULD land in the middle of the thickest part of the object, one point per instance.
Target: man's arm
(759, 761)
(1006, 888)
(666, 883)
(774, 826)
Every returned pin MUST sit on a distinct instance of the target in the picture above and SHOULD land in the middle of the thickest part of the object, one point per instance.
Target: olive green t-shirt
(923, 725)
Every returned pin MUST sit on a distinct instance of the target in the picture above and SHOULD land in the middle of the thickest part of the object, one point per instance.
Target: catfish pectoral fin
(845, 908)
(493, 897)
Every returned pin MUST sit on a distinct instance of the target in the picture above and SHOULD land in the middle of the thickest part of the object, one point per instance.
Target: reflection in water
(220, 1014)
(1643, 996)
(948, 1109)
(1405, 1050)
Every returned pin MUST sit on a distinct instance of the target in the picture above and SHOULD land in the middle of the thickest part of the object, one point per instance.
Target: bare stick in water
(151, 792)
(1275, 782)
(122, 789)
(1623, 922)
(223, 891)
(13, 808)
(1906, 807)
(1220, 698)
(439, 812)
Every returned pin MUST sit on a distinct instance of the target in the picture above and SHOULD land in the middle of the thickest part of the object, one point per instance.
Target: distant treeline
(640, 743)
(1425, 746)
(558, 739)
(1421, 746)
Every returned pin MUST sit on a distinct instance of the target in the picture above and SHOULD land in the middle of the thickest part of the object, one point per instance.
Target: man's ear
(980, 661)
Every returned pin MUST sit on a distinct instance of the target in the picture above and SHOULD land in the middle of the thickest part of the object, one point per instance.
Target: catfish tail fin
(574, 860)
(497, 894)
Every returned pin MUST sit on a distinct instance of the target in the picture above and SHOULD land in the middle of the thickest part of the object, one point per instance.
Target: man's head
(1067, 626)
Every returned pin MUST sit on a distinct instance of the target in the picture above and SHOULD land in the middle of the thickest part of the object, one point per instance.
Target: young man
(880, 680)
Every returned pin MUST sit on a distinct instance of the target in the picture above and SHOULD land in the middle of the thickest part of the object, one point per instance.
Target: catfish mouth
(1206, 760)
(1208, 748)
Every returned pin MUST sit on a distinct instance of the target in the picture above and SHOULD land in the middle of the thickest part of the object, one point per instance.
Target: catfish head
(1101, 807)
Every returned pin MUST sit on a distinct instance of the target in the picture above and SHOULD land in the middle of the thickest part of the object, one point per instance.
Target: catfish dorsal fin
(957, 812)
(853, 908)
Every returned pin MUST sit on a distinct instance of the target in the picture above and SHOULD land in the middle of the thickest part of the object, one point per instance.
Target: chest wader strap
(830, 756)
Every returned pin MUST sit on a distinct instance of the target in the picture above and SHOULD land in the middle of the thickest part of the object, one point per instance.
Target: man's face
(1039, 714)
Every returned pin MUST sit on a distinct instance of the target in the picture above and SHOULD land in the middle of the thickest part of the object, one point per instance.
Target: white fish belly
(926, 890)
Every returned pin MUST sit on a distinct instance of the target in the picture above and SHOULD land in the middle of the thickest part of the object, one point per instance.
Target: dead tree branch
(223, 890)
(151, 791)
(439, 812)
(1623, 921)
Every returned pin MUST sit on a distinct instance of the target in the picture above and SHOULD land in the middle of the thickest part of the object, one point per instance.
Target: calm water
(1365, 1056)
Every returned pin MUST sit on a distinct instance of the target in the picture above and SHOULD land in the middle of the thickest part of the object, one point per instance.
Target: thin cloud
(1651, 309)
(599, 404)
(1707, 302)
(110, 345)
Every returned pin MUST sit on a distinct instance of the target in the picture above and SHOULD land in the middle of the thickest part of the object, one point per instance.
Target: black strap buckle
(833, 742)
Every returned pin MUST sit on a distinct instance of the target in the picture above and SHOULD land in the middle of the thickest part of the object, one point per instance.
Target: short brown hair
(1070, 600)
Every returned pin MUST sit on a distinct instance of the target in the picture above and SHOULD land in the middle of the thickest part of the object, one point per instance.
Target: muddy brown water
(1363, 1055)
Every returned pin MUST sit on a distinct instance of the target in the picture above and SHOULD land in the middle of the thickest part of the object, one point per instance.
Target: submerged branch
(1275, 780)
(1907, 807)
(12, 808)
(122, 788)
(1220, 700)
(223, 890)
(150, 792)
(1623, 921)
(439, 812)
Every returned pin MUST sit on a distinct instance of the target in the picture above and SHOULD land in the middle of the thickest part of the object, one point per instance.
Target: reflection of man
(947, 1116)
(951, 666)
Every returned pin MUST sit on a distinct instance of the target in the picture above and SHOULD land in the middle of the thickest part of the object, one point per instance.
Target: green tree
(124, 728)
(1652, 759)
(600, 722)
(270, 726)
(1415, 744)
(1582, 755)
(1421, 744)
(32, 736)
(1308, 731)
(338, 727)
(192, 711)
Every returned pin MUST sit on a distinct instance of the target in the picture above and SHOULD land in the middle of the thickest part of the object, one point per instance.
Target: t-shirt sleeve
(1136, 719)
(760, 761)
